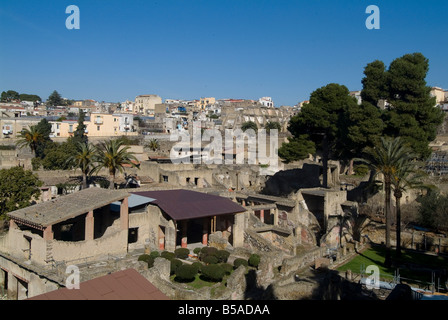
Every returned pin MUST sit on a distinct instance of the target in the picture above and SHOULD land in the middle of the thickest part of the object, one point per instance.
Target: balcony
(98, 121)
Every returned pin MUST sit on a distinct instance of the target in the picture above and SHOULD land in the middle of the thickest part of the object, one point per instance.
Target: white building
(267, 102)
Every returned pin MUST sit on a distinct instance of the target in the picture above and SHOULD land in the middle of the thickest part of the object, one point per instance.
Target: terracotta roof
(186, 204)
(66, 207)
(122, 285)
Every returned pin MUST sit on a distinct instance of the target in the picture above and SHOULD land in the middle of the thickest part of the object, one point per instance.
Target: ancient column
(89, 233)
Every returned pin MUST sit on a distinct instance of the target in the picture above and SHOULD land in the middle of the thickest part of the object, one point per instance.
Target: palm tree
(84, 159)
(153, 144)
(406, 177)
(113, 155)
(388, 158)
(30, 138)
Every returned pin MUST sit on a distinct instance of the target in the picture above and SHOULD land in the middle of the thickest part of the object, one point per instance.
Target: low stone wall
(302, 260)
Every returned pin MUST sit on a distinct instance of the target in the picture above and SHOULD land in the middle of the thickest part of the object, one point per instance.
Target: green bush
(168, 255)
(148, 259)
(197, 251)
(181, 253)
(175, 264)
(210, 260)
(361, 170)
(197, 266)
(185, 273)
(213, 272)
(222, 255)
(155, 254)
(144, 257)
(227, 267)
(238, 262)
(254, 260)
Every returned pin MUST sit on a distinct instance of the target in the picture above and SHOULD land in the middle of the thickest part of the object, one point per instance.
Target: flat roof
(47, 213)
(122, 285)
(184, 204)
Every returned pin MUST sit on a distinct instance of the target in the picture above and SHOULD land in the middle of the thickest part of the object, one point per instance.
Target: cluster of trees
(55, 99)
(334, 124)
(10, 95)
(389, 130)
(76, 152)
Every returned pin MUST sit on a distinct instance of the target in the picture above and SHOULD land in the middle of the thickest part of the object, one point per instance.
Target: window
(70, 128)
(98, 128)
(133, 235)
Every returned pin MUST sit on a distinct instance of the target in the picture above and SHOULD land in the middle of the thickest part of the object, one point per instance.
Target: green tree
(321, 120)
(273, 125)
(84, 160)
(296, 149)
(9, 95)
(29, 97)
(55, 99)
(433, 211)
(374, 83)
(412, 114)
(407, 176)
(153, 144)
(18, 187)
(57, 155)
(113, 155)
(30, 138)
(388, 158)
(44, 127)
(79, 135)
(249, 125)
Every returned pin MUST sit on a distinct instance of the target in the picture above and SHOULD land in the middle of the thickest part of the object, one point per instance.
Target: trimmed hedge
(197, 266)
(181, 253)
(197, 251)
(154, 254)
(210, 260)
(222, 255)
(175, 264)
(186, 273)
(227, 267)
(238, 262)
(168, 255)
(144, 257)
(254, 260)
(213, 272)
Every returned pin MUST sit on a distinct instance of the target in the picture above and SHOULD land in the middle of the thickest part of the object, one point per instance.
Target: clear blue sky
(186, 49)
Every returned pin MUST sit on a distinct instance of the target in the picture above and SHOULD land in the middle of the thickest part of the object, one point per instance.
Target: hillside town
(77, 225)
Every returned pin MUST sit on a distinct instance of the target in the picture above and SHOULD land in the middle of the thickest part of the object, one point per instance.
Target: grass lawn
(376, 255)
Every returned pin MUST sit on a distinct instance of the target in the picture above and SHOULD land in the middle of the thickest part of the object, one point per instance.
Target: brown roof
(122, 285)
(186, 204)
(67, 207)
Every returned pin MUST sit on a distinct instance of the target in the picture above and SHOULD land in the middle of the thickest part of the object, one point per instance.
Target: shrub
(185, 273)
(197, 251)
(175, 264)
(167, 255)
(210, 260)
(154, 254)
(361, 170)
(213, 272)
(222, 255)
(148, 259)
(254, 260)
(197, 266)
(144, 257)
(181, 253)
(238, 262)
(227, 267)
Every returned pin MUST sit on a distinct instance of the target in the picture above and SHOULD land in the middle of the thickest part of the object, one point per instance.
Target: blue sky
(187, 49)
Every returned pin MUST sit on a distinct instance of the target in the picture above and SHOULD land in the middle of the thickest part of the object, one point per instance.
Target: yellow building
(100, 125)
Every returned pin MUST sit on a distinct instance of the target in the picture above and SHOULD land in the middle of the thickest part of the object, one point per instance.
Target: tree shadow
(254, 291)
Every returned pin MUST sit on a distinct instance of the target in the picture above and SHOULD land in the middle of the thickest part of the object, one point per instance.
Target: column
(89, 233)
(262, 215)
(12, 286)
(48, 233)
(161, 239)
(276, 216)
(184, 234)
(124, 214)
(205, 231)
